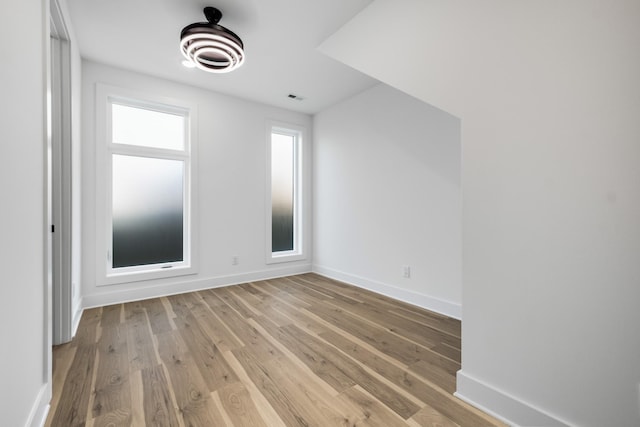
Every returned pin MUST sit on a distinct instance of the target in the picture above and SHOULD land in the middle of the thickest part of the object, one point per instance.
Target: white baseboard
(141, 293)
(40, 408)
(427, 302)
(75, 319)
(502, 405)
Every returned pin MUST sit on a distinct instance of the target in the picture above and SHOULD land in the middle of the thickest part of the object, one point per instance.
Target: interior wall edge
(508, 408)
(40, 409)
(76, 316)
(427, 302)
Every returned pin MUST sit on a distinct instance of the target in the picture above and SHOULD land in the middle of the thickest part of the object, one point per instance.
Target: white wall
(231, 179)
(76, 177)
(387, 195)
(24, 381)
(549, 99)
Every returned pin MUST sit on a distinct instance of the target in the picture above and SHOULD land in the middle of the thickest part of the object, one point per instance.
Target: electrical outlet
(235, 260)
(406, 271)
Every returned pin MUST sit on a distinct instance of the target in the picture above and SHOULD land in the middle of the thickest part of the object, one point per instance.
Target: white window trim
(105, 275)
(298, 253)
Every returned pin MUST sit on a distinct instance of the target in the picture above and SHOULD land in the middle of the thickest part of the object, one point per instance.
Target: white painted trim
(120, 296)
(639, 398)
(62, 169)
(40, 409)
(105, 94)
(61, 185)
(301, 190)
(427, 302)
(502, 405)
(77, 315)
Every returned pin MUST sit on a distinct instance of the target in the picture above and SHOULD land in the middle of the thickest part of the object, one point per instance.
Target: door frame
(60, 176)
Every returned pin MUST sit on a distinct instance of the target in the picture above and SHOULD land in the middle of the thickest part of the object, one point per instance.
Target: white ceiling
(280, 38)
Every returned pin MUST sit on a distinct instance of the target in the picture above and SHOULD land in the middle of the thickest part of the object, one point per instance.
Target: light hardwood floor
(295, 351)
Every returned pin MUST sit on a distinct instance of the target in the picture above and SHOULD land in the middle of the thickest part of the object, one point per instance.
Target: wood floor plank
(390, 371)
(117, 418)
(170, 313)
(315, 361)
(140, 345)
(321, 407)
(397, 347)
(437, 397)
(137, 398)
(158, 406)
(63, 356)
(315, 294)
(374, 413)
(293, 312)
(251, 339)
(215, 329)
(332, 292)
(435, 374)
(326, 374)
(111, 315)
(191, 393)
(330, 356)
(288, 292)
(356, 293)
(370, 296)
(158, 316)
(448, 351)
(262, 304)
(396, 325)
(429, 417)
(178, 304)
(236, 402)
(445, 324)
(428, 318)
(215, 371)
(290, 410)
(419, 333)
(73, 408)
(87, 332)
(244, 309)
(267, 412)
(294, 351)
(111, 388)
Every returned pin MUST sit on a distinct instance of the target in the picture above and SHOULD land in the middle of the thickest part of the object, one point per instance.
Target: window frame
(106, 148)
(298, 252)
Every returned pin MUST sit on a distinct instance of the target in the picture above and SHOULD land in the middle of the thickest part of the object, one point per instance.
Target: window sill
(285, 257)
(137, 276)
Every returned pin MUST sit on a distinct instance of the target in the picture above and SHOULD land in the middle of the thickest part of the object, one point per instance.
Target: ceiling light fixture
(212, 47)
(188, 63)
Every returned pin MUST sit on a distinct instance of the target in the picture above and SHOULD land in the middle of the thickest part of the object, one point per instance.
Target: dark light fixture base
(210, 46)
(212, 14)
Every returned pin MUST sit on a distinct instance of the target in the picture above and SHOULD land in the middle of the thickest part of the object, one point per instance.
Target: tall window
(147, 211)
(147, 189)
(285, 216)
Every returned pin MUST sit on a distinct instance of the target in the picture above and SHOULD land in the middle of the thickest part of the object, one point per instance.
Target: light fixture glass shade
(212, 47)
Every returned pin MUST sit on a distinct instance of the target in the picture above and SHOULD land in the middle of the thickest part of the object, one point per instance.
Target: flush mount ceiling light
(211, 47)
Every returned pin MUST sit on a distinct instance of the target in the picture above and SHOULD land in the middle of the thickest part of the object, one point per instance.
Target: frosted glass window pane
(147, 128)
(147, 211)
(282, 197)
